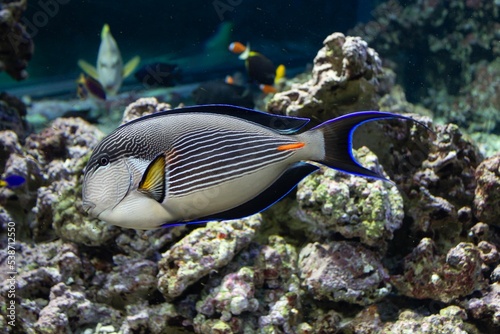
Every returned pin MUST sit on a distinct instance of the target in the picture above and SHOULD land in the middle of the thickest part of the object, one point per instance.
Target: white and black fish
(110, 70)
(212, 162)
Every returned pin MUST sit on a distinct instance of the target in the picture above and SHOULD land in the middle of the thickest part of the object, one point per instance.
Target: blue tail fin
(338, 133)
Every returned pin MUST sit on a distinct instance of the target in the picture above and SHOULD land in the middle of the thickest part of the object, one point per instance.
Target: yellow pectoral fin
(89, 69)
(153, 180)
(130, 66)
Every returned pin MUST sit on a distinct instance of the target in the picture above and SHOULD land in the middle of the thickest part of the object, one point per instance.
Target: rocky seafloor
(342, 254)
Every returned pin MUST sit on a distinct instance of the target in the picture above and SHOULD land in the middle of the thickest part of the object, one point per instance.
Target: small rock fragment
(342, 271)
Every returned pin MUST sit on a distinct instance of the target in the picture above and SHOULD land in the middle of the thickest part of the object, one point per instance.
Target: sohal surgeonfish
(110, 70)
(213, 162)
(260, 69)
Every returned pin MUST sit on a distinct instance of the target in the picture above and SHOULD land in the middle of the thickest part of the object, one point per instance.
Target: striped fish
(212, 162)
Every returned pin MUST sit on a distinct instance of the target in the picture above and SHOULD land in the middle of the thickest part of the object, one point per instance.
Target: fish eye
(103, 161)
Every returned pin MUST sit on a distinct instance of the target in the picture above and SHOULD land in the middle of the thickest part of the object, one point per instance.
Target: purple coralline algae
(487, 306)
(343, 271)
(68, 309)
(444, 278)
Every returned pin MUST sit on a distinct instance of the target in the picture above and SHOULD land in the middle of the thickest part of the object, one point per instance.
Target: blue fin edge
(279, 123)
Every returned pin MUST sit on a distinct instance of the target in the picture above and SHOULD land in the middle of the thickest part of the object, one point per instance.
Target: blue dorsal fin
(281, 124)
(279, 189)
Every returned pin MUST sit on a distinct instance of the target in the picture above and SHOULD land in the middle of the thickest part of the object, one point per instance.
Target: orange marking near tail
(293, 146)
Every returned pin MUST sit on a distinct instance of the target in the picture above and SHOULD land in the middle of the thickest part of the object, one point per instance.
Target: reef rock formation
(454, 45)
(16, 45)
(334, 202)
(13, 115)
(345, 77)
(487, 193)
(428, 275)
(342, 271)
(204, 250)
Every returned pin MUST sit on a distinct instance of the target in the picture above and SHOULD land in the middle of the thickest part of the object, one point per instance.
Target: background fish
(12, 181)
(88, 87)
(110, 70)
(212, 162)
(158, 74)
(220, 91)
(260, 69)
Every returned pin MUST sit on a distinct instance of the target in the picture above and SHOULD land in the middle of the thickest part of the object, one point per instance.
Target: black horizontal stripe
(223, 175)
(206, 159)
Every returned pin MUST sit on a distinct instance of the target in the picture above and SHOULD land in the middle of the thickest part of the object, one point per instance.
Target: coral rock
(450, 320)
(16, 45)
(356, 207)
(342, 271)
(142, 107)
(487, 307)
(202, 251)
(130, 281)
(13, 115)
(429, 275)
(344, 78)
(69, 309)
(487, 195)
(143, 318)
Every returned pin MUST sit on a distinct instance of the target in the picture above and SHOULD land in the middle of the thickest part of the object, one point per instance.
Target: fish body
(158, 74)
(12, 181)
(110, 70)
(222, 92)
(212, 162)
(88, 87)
(260, 69)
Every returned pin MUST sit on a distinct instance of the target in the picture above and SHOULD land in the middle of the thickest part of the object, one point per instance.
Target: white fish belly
(226, 195)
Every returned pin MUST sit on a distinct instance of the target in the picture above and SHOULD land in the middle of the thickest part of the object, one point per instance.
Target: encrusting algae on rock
(332, 202)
